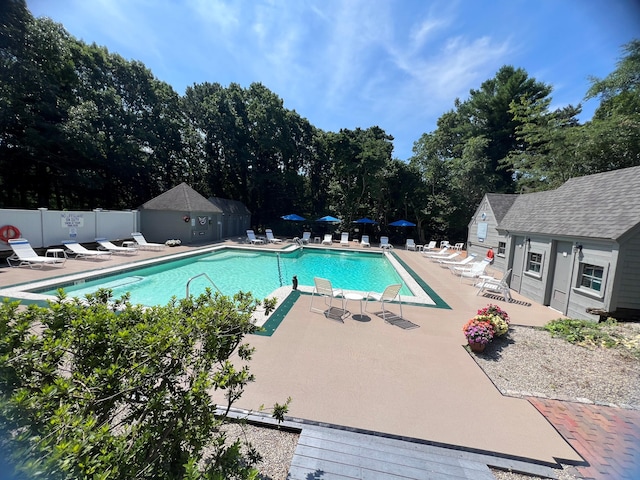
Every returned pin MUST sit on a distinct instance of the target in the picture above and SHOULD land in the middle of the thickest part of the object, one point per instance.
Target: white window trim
(528, 272)
(588, 292)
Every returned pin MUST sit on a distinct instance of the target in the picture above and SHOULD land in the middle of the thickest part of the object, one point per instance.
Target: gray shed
(181, 213)
(236, 217)
(483, 234)
(577, 248)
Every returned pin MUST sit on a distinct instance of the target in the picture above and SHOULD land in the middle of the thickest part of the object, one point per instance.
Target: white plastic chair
(253, 239)
(270, 237)
(344, 239)
(364, 241)
(410, 245)
(494, 285)
(388, 295)
(324, 289)
(384, 243)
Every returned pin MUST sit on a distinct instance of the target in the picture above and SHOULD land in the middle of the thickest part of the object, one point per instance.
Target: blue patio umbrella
(365, 221)
(328, 219)
(402, 223)
(293, 217)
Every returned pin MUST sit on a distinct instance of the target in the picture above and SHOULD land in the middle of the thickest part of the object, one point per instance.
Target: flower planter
(477, 347)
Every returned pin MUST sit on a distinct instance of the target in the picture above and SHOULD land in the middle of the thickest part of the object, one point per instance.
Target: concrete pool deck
(369, 375)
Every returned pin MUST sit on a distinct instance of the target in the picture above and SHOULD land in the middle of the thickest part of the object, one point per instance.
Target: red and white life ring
(9, 232)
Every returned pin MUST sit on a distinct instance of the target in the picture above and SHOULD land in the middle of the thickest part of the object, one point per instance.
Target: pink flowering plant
(478, 331)
(498, 318)
(494, 310)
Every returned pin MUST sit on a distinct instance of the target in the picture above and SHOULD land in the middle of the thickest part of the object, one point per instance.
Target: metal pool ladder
(201, 275)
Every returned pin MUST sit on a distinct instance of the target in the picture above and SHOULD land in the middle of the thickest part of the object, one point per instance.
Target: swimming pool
(232, 270)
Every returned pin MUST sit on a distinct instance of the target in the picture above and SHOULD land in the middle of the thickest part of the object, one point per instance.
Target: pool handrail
(201, 275)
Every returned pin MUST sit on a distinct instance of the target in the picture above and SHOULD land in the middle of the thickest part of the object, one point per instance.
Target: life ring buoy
(9, 232)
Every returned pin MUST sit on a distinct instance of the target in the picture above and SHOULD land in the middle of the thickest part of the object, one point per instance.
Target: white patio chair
(324, 289)
(410, 244)
(24, 255)
(144, 245)
(384, 243)
(81, 252)
(106, 245)
(392, 292)
(498, 286)
(344, 239)
(474, 270)
(364, 241)
(253, 239)
(270, 237)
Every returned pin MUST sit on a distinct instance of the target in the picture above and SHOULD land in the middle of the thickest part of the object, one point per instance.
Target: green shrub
(106, 389)
(608, 334)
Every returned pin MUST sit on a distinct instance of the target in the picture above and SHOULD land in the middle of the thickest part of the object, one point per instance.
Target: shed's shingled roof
(230, 206)
(181, 198)
(604, 205)
(500, 204)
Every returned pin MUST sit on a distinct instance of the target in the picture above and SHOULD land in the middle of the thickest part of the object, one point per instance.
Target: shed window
(591, 276)
(502, 248)
(534, 263)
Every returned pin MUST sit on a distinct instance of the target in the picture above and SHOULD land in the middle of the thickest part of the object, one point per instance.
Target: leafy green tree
(545, 157)
(469, 150)
(358, 161)
(612, 139)
(102, 389)
(619, 92)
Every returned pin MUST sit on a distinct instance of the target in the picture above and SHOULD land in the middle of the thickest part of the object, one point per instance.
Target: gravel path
(528, 362)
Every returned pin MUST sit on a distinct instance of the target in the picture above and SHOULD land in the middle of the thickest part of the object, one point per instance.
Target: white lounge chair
(306, 236)
(474, 270)
(24, 255)
(328, 239)
(253, 239)
(364, 241)
(144, 245)
(444, 243)
(389, 294)
(344, 239)
(81, 252)
(458, 246)
(324, 289)
(498, 286)
(450, 256)
(441, 253)
(270, 237)
(454, 263)
(410, 245)
(430, 246)
(384, 243)
(106, 245)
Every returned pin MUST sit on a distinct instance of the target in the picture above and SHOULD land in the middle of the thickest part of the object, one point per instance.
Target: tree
(545, 157)
(358, 161)
(110, 390)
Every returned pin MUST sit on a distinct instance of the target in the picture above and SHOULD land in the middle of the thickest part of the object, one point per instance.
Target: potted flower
(498, 318)
(479, 333)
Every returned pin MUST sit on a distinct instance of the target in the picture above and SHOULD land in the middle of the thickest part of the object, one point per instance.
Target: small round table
(355, 297)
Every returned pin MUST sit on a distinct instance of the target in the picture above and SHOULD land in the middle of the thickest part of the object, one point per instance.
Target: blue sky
(397, 64)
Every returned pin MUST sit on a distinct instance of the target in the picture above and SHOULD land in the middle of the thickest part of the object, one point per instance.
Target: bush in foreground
(107, 389)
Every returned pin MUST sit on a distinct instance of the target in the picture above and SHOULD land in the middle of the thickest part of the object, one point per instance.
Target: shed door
(518, 264)
(561, 273)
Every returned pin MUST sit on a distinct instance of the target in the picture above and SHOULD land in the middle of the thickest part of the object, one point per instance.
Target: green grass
(609, 334)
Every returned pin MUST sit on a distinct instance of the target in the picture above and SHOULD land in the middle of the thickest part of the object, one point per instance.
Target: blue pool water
(257, 272)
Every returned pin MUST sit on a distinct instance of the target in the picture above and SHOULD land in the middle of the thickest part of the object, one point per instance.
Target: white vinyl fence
(45, 228)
